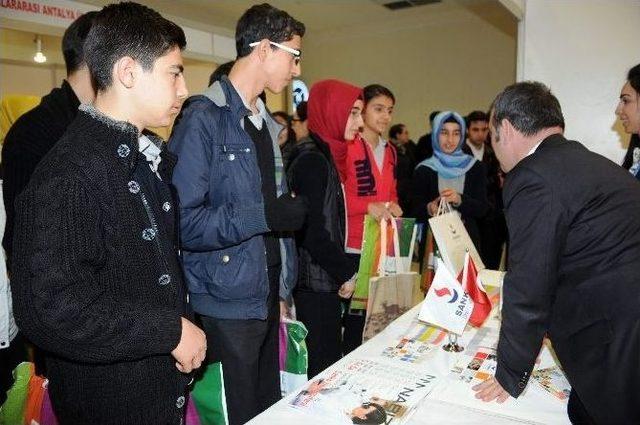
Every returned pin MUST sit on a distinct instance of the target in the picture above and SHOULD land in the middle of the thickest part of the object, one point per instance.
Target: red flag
(468, 277)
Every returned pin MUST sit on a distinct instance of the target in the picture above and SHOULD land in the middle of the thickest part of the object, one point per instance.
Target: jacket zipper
(154, 226)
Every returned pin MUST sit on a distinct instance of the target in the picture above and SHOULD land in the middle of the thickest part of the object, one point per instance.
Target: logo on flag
(444, 292)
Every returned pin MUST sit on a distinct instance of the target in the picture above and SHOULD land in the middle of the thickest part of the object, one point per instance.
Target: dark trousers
(321, 314)
(353, 322)
(10, 358)
(248, 350)
(577, 413)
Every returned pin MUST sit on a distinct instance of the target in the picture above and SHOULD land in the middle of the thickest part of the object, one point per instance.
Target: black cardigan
(97, 283)
(474, 203)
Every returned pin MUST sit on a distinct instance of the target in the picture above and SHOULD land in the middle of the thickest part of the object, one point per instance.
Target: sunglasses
(297, 54)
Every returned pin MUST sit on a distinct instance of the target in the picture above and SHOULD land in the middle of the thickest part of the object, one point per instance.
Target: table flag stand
(452, 346)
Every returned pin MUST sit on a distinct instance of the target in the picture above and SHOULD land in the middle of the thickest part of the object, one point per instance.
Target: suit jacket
(574, 229)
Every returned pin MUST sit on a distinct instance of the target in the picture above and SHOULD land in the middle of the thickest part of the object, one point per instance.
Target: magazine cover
(365, 391)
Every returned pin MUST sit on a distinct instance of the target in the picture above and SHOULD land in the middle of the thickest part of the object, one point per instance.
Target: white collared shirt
(533, 149)
(151, 152)
(478, 153)
(378, 153)
(256, 119)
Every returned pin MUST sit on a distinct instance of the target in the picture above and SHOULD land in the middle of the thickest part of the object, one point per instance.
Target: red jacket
(364, 184)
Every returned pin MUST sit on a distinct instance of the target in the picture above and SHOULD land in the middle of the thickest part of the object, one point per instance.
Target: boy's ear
(125, 71)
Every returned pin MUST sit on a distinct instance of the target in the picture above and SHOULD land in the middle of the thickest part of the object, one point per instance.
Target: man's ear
(507, 128)
(262, 49)
(125, 71)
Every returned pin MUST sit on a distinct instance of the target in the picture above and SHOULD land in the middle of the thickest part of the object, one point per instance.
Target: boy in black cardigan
(97, 281)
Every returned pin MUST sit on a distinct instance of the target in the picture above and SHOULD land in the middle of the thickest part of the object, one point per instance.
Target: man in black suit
(573, 263)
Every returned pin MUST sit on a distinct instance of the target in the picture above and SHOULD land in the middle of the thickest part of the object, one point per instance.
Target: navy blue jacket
(222, 218)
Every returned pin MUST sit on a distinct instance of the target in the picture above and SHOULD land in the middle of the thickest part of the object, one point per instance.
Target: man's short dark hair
(634, 78)
(221, 70)
(73, 41)
(529, 106)
(395, 130)
(375, 417)
(283, 115)
(375, 90)
(476, 116)
(128, 29)
(264, 21)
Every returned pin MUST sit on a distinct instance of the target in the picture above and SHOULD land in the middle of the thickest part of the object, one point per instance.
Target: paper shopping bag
(452, 239)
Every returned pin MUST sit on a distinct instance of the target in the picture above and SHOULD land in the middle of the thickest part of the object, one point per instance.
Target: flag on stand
(446, 304)
(468, 277)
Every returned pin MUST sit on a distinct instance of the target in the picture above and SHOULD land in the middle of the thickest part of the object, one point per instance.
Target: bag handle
(383, 247)
(414, 235)
(443, 207)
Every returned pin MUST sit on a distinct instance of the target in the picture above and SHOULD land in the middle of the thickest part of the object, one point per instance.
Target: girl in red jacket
(369, 184)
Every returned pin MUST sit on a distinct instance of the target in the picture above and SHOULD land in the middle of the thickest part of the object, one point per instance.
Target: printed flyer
(365, 391)
(553, 380)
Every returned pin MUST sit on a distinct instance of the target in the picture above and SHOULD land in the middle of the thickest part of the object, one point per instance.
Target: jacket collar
(120, 138)
(224, 95)
(552, 140)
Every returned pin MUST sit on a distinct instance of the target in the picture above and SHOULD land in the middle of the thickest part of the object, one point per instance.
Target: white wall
(582, 49)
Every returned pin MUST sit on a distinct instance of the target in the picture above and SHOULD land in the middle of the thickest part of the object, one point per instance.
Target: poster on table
(365, 389)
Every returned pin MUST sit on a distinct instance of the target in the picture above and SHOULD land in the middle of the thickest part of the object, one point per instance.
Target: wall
(21, 75)
(456, 62)
(582, 50)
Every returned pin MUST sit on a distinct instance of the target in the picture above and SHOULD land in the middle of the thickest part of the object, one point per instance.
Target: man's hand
(192, 348)
(378, 211)
(451, 196)
(287, 213)
(490, 390)
(432, 207)
(285, 311)
(347, 288)
(394, 209)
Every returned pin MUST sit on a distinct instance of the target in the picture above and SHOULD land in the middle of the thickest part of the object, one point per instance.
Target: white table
(451, 401)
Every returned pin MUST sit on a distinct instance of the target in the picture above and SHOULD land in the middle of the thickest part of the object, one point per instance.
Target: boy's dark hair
(283, 115)
(634, 78)
(128, 29)
(265, 21)
(375, 417)
(374, 90)
(529, 106)
(432, 116)
(476, 116)
(73, 41)
(221, 70)
(395, 130)
(301, 110)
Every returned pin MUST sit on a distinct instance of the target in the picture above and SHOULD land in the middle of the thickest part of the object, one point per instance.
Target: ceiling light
(39, 57)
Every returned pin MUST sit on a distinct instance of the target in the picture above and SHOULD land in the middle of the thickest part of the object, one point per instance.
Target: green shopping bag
(12, 411)
(370, 255)
(209, 398)
(294, 358)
